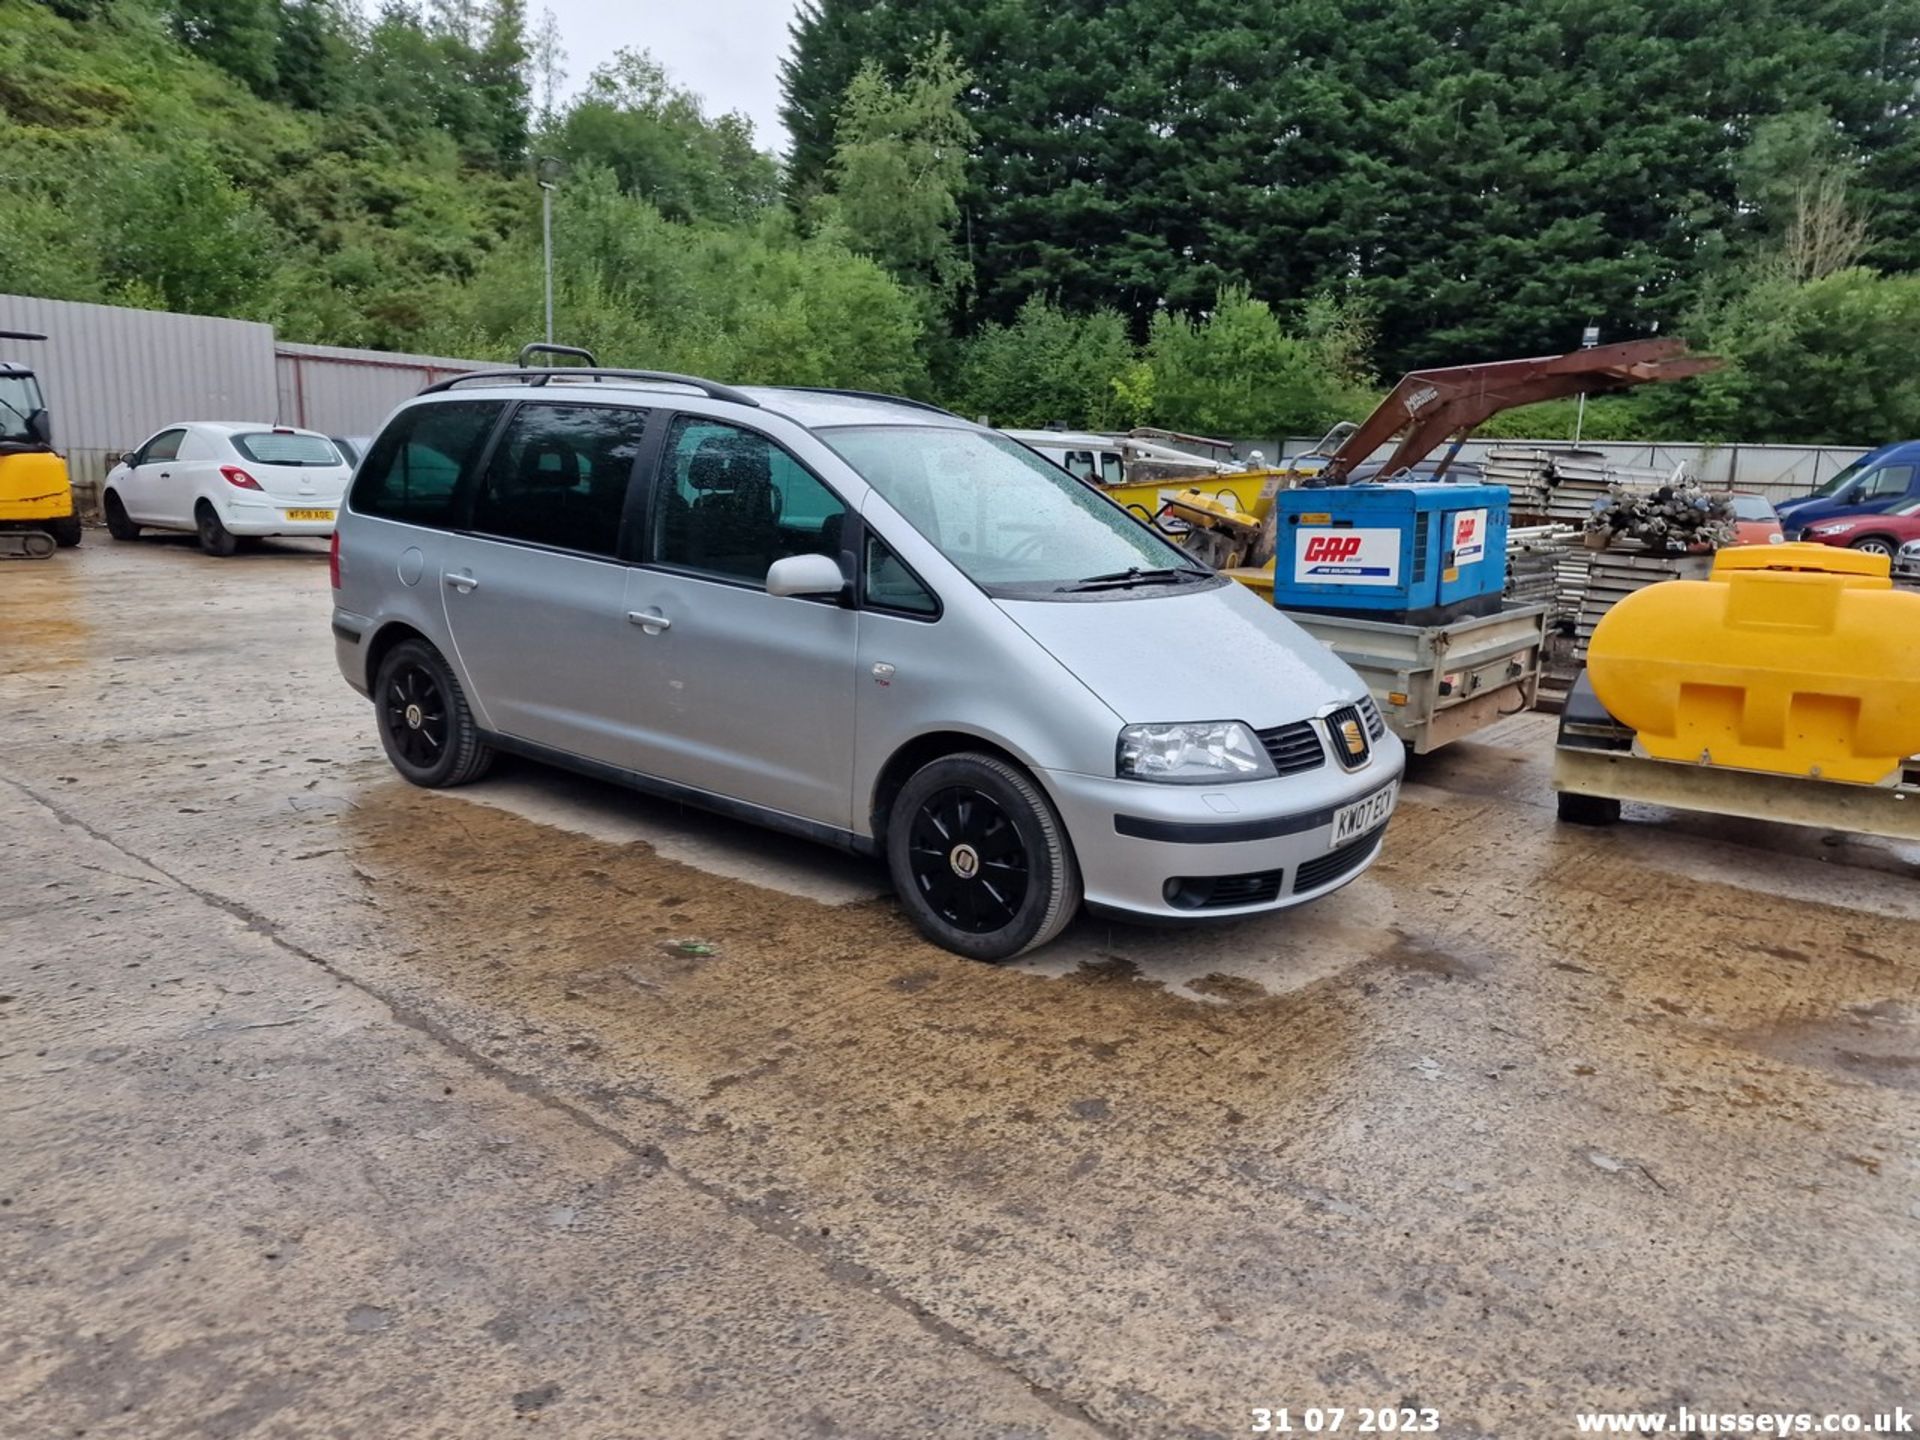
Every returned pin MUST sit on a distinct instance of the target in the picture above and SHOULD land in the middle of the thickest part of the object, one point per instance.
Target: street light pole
(546, 231)
(1589, 338)
(546, 172)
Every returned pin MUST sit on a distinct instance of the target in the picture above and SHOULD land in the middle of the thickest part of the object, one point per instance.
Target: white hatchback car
(226, 481)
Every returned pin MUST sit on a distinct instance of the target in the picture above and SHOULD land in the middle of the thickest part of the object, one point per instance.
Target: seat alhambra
(858, 619)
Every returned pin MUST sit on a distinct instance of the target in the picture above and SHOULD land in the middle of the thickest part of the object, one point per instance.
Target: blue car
(1875, 482)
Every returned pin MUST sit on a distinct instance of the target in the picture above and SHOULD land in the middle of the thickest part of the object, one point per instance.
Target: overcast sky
(726, 51)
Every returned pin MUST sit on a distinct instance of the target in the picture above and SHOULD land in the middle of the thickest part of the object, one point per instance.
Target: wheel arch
(923, 750)
(381, 642)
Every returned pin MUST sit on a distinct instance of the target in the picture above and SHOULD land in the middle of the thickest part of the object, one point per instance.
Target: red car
(1881, 534)
(1754, 520)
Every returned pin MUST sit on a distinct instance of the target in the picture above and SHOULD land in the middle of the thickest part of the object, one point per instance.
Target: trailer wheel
(1587, 809)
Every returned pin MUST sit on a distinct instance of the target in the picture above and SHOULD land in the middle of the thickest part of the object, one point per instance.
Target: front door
(148, 490)
(534, 593)
(743, 694)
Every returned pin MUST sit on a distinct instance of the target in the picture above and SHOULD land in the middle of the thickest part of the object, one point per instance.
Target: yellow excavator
(36, 494)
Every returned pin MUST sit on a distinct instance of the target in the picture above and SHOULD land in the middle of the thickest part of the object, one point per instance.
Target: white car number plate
(1350, 822)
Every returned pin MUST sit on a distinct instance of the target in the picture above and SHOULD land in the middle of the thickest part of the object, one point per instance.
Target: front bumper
(1270, 842)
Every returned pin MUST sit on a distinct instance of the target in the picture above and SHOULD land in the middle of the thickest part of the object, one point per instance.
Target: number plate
(309, 514)
(1350, 822)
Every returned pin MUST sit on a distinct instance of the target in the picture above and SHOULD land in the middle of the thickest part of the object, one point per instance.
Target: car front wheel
(119, 525)
(1872, 545)
(981, 862)
(426, 725)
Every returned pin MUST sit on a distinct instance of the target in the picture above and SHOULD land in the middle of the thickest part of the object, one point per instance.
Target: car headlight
(1835, 529)
(1204, 752)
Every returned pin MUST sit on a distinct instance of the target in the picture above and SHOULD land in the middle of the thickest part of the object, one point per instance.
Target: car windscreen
(1843, 478)
(279, 447)
(1752, 507)
(1014, 524)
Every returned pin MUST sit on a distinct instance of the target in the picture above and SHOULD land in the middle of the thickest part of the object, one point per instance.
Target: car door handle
(651, 621)
(166, 474)
(465, 584)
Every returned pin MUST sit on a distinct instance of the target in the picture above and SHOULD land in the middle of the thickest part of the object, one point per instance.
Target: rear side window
(413, 469)
(559, 476)
(269, 447)
(730, 502)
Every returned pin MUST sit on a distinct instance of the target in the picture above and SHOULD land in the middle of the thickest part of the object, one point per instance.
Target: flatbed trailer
(1433, 683)
(1596, 766)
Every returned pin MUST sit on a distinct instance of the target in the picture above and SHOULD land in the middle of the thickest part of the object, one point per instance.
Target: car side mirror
(805, 575)
(40, 427)
(126, 458)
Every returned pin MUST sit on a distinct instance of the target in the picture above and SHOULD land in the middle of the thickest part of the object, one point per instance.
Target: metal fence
(1775, 471)
(112, 376)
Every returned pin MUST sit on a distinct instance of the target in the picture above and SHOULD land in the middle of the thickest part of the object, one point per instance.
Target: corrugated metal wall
(351, 392)
(112, 376)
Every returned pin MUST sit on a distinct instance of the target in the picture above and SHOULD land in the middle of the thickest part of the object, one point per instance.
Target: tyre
(426, 725)
(1872, 545)
(980, 860)
(66, 531)
(119, 526)
(215, 538)
(1587, 809)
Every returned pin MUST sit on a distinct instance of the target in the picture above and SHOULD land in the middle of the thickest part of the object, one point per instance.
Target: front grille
(1294, 748)
(1335, 863)
(1370, 712)
(1337, 723)
(1224, 892)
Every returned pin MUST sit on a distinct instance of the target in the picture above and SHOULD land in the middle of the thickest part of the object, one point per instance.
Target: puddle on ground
(1873, 1044)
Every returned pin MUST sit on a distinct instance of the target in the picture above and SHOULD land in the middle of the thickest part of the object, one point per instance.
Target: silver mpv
(859, 619)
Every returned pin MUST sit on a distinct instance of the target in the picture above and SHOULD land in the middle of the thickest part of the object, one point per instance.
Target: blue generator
(1413, 554)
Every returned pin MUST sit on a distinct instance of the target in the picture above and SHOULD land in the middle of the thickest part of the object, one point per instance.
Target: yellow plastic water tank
(1797, 659)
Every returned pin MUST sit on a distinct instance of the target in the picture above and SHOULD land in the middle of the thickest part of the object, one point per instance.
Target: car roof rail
(538, 375)
(871, 395)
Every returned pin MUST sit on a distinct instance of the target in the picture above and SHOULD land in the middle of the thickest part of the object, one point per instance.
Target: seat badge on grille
(1349, 735)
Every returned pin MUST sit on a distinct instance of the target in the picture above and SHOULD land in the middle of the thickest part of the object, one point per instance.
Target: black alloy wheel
(979, 859)
(414, 710)
(968, 860)
(426, 725)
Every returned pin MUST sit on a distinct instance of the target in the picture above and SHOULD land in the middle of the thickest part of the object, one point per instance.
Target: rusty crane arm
(1430, 405)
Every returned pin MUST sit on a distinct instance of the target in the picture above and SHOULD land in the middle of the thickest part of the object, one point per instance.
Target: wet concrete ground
(335, 1107)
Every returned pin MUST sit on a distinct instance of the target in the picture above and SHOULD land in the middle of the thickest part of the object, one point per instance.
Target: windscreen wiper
(1122, 579)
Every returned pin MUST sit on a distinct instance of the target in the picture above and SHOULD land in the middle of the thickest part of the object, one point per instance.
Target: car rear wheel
(980, 860)
(1872, 545)
(426, 725)
(119, 525)
(215, 538)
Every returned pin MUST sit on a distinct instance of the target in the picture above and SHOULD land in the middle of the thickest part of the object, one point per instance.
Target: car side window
(164, 446)
(414, 468)
(730, 502)
(1113, 470)
(1080, 463)
(891, 586)
(559, 476)
(1887, 480)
